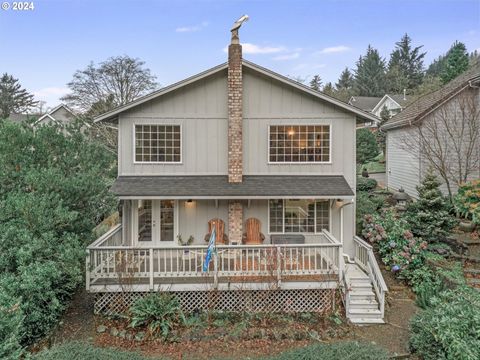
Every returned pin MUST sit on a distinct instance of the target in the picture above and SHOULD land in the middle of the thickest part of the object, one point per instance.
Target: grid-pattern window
(276, 215)
(144, 220)
(299, 143)
(323, 215)
(157, 143)
(299, 216)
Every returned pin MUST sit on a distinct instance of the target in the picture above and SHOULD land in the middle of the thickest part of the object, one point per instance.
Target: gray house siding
(201, 110)
(403, 167)
(406, 169)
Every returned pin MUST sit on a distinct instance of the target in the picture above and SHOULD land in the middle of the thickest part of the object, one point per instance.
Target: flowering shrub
(397, 246)
(467, 201)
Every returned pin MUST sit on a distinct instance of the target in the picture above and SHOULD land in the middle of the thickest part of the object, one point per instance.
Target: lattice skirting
(291, 301)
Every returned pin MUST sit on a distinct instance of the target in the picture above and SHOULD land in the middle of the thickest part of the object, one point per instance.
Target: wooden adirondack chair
(253, 235)
(221, 237)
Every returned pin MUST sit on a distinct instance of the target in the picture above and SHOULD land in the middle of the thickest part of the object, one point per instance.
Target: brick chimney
(235, 130)
(235, 91)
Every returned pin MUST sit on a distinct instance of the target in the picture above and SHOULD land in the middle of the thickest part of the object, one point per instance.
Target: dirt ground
(79, 323)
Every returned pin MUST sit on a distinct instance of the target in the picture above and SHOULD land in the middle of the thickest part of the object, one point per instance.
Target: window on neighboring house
(299, 216)
(157, 143)
(297, 144)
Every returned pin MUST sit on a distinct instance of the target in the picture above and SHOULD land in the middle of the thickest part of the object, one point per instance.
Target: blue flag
(210, 250)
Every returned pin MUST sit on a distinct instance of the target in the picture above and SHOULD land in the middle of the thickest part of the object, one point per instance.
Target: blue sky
(176, 39)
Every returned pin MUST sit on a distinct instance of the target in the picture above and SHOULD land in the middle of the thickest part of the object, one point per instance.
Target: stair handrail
(373, 271)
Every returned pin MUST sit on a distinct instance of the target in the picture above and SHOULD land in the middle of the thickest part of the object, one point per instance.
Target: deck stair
(362, 303)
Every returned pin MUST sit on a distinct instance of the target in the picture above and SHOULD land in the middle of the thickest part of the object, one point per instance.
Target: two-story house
(266, 162)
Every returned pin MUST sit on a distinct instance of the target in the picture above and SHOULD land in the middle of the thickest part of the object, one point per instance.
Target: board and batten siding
(403, 167)
(201, 110)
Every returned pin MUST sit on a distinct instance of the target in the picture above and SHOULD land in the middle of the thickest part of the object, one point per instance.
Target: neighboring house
(366, 103)
(61, 115)
(393, 102)
(442, 127)
(20, 118)
(265, 161)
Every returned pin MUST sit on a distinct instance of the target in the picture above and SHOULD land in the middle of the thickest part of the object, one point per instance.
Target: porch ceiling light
(189, 203)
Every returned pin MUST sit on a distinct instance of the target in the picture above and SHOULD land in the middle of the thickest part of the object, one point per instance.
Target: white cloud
(194, 28)
(334, 49)
(249, 48)
(51, 95)
(291, 56)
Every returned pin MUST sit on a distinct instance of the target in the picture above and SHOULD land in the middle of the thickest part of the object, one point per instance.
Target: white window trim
(300, 233)
(157, 162)
(330, 129)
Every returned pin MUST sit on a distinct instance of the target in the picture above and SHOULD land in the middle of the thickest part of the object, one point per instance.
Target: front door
(156, 223)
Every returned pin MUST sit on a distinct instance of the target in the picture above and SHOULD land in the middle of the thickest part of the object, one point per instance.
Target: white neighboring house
(439, 116)
(394, 103)
(60, 115)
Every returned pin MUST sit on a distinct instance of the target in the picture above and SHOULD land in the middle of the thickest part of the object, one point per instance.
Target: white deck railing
(271, 262)
(365, 258)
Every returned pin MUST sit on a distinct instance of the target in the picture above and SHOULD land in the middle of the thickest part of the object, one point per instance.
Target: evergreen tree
(328, 89)
(316, 83)
(430, 83)
(429, 216)
(407, 61)
(436, 68)
(381, 135)
(13, 99)
(345, 82)
(397, 80)
(456, 62)
(370, 74)
(367, 147)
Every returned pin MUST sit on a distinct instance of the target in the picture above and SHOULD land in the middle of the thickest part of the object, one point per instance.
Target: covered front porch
(113, 267)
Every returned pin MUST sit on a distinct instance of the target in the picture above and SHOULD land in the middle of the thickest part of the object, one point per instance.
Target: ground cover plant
(53, 191)
(467, 201)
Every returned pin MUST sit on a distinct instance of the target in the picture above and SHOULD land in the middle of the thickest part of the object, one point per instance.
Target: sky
(43, 47)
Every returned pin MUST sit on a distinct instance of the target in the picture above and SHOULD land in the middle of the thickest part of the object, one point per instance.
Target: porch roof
(218, 187)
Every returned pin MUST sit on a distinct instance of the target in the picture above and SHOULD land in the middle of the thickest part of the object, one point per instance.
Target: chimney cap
(239, 23)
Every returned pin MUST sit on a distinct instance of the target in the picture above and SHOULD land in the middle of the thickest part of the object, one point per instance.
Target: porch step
(368, 321)
(363, 307)
(363, 304)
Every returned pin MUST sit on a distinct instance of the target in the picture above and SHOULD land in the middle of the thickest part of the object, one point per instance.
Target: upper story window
(157, 143)
(299, 144)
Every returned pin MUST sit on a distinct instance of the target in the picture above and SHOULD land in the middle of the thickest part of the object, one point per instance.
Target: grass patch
(85, 351)
(375, 166)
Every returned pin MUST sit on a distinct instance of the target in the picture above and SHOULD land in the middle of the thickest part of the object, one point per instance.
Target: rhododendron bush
(400, 251)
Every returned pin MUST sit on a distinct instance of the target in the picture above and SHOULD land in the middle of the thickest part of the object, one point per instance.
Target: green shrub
(449, 328)
(340, 350)
(429, 217)
(467, 201)
(11, 317)
(53, 191)
(158, 312)
(84, 351)
(398, 248)
(366, 204)
(367, 147)
(366, 184)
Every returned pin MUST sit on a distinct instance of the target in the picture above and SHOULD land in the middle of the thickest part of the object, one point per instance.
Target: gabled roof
(366, 103)
(51, 112)
(424, 105)
(398, 99)
(112, 114)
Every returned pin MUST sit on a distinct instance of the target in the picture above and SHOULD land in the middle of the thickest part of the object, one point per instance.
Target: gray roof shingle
(425, 104)
(366, 103)
(218, 186)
